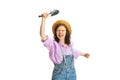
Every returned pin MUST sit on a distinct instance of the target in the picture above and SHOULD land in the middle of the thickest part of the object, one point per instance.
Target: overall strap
(72, 53)
(72, 50)
(63, 54)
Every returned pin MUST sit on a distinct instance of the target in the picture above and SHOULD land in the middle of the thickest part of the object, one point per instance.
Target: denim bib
(65, 70)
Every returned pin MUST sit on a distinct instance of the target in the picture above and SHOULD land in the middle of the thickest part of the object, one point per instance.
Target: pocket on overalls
(57, 71)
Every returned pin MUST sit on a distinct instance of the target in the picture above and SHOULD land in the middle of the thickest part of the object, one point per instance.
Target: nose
(60, 31)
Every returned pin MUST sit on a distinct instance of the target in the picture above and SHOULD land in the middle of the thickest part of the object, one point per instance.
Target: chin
(61, 38)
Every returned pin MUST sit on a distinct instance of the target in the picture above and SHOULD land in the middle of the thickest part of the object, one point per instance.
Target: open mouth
(60, 35)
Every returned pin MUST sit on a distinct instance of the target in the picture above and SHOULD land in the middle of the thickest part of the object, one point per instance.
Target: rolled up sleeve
(76, 53)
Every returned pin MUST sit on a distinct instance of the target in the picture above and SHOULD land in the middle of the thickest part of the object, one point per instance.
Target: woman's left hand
(86, 55)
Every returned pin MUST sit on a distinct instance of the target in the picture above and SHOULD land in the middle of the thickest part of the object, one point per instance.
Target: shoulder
(50, 42)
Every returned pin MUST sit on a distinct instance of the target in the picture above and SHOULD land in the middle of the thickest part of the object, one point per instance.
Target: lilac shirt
(55, 52)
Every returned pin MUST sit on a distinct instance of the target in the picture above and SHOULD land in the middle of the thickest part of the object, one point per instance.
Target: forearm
(82, 54)
(85, 54)
(42, 27)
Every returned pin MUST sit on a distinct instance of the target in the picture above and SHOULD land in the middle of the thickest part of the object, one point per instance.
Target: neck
(62, 41)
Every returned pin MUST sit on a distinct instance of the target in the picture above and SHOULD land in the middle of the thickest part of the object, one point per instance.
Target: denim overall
(65, 70)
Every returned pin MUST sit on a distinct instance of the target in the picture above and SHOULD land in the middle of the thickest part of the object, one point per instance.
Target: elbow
(43, 36)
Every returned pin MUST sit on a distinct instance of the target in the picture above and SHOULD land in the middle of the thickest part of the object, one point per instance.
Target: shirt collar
(64, 45)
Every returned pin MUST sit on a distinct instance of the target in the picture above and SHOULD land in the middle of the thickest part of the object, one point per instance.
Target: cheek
(57, 33)
(64, 33)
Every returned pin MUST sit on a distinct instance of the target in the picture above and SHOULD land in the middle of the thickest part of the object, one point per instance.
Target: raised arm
(42, 27)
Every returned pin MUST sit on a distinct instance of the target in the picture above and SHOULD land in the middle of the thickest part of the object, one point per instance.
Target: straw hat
(67, 25)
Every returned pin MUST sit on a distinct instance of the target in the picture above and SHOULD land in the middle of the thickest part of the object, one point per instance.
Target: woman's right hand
(45, 15)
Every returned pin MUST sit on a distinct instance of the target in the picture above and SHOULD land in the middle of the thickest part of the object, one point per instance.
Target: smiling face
(61, 32)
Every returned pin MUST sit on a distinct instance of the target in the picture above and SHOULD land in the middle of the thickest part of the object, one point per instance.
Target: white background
(95, 29)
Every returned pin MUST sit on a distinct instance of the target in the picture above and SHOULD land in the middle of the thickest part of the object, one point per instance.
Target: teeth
(60, 35)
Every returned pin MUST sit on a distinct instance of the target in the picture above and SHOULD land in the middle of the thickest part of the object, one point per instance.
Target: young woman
(61, 49)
